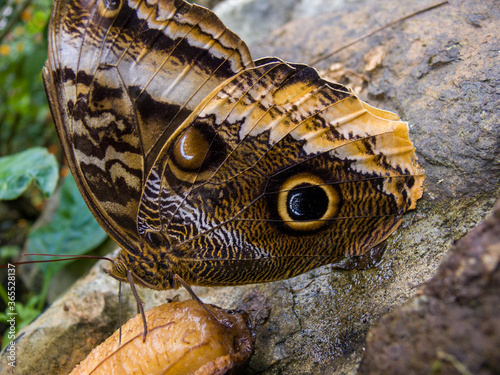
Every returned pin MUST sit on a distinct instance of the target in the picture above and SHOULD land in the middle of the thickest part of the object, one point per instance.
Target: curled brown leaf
(183, 338)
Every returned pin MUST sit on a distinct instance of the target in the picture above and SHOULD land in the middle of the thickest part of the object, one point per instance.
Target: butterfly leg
(140, 304)
(120, 312)
(179, 280)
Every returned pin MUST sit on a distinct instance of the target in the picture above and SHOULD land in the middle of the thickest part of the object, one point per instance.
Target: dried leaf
(182, 339)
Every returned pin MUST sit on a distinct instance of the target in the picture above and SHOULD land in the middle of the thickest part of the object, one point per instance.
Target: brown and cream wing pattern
(276, 172)
(121, 76)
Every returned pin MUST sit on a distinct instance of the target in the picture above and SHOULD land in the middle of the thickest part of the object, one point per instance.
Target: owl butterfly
(202, 163)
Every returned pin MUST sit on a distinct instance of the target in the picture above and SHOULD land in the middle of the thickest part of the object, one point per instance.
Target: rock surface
(253, 20)
(439, 71)
(452, 325)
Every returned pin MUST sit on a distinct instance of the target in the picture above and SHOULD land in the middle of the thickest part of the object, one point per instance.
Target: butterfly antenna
(63, 258)
(314, 62)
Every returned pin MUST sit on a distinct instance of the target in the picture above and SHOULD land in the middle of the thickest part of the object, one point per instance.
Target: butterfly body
(205, 164)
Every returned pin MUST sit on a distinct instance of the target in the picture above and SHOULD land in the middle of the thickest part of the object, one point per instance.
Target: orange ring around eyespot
(314, 180)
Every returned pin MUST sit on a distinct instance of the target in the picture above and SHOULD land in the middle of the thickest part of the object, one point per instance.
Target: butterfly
(205, 165)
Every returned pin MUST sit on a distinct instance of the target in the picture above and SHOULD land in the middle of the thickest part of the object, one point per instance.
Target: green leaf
(19, 170)
(27, 313)
(24, 112)
(72, 231)
(8, 252)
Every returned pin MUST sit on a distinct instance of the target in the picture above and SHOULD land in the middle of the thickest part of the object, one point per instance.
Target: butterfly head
(141, 271)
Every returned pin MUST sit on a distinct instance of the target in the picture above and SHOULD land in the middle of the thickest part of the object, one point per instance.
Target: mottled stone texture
(452, 325)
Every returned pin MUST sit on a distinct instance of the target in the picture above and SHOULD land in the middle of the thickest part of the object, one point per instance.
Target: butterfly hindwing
(271, 136)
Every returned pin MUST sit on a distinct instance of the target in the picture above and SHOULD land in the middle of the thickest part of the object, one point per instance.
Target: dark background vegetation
(32, 171)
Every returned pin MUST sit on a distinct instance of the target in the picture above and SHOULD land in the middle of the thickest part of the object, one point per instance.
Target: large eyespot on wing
(306, 203)
(121, 76)
(278, 136)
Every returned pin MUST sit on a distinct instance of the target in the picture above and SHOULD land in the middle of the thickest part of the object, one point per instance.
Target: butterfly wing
(276, 172)
(121, 76)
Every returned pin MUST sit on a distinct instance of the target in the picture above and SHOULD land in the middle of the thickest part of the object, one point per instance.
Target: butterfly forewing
(268, 133)
(121, 77)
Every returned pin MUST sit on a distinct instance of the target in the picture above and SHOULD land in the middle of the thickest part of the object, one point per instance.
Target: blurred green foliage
(26, 313)
(24, 113)
(27, 130)
(71, 231)
(18, 171)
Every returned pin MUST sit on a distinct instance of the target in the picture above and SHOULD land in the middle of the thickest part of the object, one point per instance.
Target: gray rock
(206, 3)
(452, 325)
(253, 20)
(438, 70)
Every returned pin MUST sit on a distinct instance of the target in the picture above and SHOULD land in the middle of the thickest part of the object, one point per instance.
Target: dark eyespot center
(307, 202)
